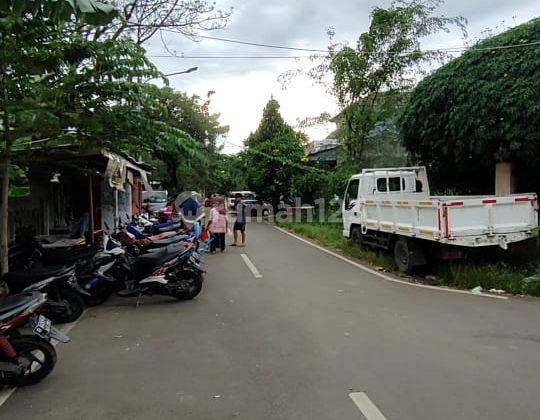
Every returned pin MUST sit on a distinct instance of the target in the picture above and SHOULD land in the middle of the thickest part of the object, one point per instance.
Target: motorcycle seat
(166, 242)
(178, 247)
(20, 279)
(160, 255)
(35, 273)
(174, 226)
(14, 304)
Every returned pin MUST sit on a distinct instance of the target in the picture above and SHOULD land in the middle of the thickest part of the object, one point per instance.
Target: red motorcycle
(26, 354)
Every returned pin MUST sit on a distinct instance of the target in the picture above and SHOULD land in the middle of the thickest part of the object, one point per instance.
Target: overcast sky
(243, 86)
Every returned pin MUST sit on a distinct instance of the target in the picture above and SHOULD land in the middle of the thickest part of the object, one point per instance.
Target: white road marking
(368, 409)
(5, 394)
(8, 392)
(251, 266)
(379, 274)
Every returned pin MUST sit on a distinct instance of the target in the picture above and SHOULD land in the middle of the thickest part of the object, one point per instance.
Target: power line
(281, 47)
(228, 143)
(463, 48)
(241, 57)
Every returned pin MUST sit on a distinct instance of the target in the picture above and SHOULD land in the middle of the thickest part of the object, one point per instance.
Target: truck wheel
(402, 256)
(356, 236)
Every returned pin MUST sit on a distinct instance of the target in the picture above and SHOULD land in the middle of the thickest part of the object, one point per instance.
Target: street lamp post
(190, 70)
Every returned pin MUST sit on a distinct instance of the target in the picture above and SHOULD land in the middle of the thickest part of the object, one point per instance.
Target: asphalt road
(293, 343)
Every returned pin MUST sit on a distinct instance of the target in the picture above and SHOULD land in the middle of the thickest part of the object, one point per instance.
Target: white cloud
(244, 86)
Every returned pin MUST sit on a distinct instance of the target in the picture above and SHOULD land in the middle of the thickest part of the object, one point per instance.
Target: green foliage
(39, 69)
(369, 79)
(89, 11)
(227, 173)
(492, 276)
(311, 183)
(186, 158)
(481, 108)
(273, 155)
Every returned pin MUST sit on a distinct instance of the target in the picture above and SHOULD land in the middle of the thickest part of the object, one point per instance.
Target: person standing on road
(240, 223)
(218, 225)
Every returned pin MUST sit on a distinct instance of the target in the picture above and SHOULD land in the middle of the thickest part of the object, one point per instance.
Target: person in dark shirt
(240, 222)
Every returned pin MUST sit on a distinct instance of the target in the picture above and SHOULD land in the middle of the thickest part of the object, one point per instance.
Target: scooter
(162, 273)
(26, 357)
(64, 304)
(153, 228)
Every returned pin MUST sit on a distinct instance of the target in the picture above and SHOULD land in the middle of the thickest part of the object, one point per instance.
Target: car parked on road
(256, 206)
(155, 201)
(246, 195)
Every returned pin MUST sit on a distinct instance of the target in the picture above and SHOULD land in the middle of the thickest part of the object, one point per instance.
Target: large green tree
(36, 78)
(184, 161)
(480, 109)
(57, 86)
(369, 80)
(273, 155)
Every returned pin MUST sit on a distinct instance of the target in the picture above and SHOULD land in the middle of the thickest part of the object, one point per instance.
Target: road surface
(289, 332)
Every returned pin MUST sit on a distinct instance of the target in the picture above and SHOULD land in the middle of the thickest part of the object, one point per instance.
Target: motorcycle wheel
(98, 297)
(75, 305)
(36, 356)
(186, 285)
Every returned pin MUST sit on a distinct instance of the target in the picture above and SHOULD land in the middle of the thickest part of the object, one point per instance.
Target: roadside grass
(498, 276)
(507, 273)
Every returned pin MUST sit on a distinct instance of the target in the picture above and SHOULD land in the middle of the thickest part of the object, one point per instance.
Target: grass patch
(508, 273)
(488, 276)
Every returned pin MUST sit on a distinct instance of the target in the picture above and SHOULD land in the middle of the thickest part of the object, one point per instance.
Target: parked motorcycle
(172, 270)
(91, 274)
(26, 357)
(92, 277)
(165, 272)
(64, 304)
(24, 256)
(152, 227)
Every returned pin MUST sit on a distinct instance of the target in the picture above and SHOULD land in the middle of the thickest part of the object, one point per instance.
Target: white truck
(391, 208)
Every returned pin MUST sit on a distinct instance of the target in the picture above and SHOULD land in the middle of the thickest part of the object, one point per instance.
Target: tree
(227, 173)
(273, 154)
(67, 88)
(480, 109)
(140, 20)
(185, 160)
(369, 80)
(30, 57)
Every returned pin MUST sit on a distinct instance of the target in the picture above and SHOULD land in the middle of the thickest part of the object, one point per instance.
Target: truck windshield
(352, 192)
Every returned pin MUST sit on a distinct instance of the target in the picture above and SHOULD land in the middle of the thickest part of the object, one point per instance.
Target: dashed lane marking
(367, 408)
(251, 266)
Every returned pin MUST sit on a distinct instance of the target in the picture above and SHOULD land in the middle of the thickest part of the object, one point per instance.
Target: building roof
(74, 157)
(318, 146)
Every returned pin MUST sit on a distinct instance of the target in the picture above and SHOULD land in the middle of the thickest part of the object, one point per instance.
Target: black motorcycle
(64, 304)
(165, 272)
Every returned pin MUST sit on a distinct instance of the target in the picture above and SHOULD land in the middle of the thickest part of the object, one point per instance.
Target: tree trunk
(173, 176)
(4, 240)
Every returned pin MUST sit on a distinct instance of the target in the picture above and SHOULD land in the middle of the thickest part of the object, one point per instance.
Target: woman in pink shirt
(218, 225)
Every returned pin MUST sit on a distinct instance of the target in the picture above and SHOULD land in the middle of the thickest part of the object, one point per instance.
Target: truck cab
(382, 184)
